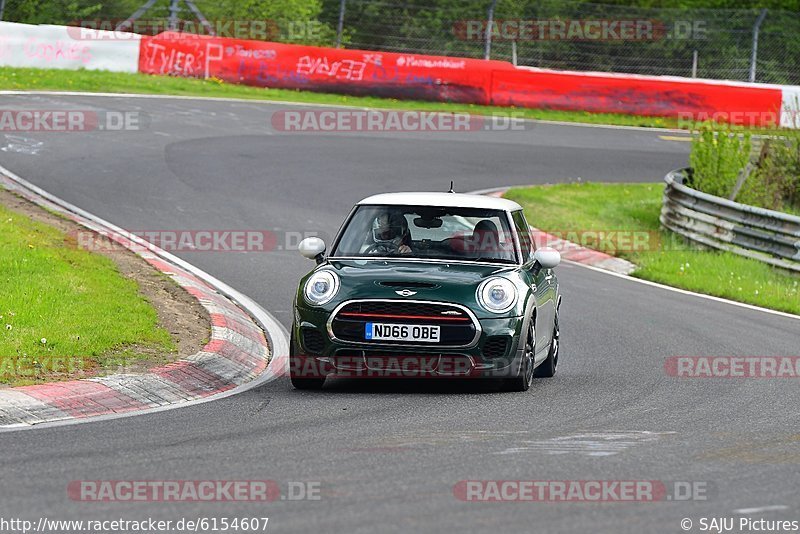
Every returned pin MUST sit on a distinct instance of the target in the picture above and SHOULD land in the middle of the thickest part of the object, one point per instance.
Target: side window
(525, 241)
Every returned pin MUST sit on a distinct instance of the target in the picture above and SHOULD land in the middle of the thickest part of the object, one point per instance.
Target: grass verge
(65, 312)
(575, 211)
(28, 79)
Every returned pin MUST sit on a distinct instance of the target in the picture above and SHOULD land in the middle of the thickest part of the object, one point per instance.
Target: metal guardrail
(765, 235)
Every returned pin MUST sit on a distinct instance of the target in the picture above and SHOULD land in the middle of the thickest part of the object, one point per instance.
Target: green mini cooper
(428, 285)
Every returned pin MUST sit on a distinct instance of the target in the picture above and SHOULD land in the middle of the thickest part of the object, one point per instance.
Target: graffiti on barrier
(345, 69)
(56, 51)
(250, 53)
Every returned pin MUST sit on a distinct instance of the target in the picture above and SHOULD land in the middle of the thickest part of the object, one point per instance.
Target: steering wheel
(383, 248)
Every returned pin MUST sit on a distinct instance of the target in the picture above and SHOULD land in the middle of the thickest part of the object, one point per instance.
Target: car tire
(547, 369)
(522, 382)
(301, 382)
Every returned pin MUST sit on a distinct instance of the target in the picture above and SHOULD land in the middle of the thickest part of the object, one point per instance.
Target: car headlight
(321, 287)
(497, 295)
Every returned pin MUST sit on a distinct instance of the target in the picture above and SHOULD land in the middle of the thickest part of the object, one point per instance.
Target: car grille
(495, 347)
(313, 341)
(456, 326)
(403, 364)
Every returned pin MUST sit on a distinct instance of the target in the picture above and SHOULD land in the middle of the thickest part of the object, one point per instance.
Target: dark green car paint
(452, 282)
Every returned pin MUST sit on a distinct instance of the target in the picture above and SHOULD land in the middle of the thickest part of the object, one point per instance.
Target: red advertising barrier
(411, 76)
(753, 105)
(267, 64)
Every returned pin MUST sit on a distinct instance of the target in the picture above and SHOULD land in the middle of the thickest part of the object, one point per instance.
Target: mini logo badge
(406, 292)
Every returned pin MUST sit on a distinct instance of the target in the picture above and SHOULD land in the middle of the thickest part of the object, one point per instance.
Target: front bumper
(496, 352)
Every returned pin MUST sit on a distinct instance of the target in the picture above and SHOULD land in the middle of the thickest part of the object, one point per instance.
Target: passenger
(485, 240)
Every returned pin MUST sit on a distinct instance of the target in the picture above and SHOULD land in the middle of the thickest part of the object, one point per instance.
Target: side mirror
(312, 248)
(547, 257)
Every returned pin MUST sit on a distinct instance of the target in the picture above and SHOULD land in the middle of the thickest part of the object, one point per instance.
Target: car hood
(454, 282)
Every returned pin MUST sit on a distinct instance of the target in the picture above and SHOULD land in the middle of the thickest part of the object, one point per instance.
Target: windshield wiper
(493, 260)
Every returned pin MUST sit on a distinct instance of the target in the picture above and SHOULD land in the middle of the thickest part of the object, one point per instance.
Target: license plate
(402, 332)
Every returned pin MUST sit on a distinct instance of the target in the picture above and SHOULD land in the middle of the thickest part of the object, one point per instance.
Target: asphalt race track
(388, 455)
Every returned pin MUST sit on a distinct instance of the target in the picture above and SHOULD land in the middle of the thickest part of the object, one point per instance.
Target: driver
(390, 234)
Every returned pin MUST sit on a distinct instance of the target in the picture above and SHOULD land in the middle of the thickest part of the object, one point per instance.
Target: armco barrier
(333, 70)
(62, 47)
(769, 236)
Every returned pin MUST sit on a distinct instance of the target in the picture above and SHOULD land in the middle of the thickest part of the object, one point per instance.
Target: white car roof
(447, 200)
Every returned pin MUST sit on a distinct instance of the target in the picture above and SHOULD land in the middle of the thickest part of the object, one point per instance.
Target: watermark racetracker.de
(246, 29)
(594, 491)
(182, 240)
(193, 490)
(357, 120)
(689, 120)
(70, 120)
(39, 364)
(762, 367)
(637, 30)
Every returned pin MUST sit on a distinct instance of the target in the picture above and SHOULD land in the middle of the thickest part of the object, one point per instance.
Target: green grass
(66, 312)
(27, 79)
(572, 210)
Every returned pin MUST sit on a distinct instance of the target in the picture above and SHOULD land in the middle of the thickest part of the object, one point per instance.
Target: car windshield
(443, 233)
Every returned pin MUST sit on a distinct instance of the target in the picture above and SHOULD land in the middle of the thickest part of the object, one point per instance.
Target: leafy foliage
(720, 152)
(50, 11)
(776, 182)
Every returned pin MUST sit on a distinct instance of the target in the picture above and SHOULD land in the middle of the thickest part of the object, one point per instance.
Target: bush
(719, 153)
(775, 184)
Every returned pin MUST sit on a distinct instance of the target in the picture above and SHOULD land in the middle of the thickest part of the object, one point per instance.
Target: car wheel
(548, 367)
(522, 382)
(301, 381)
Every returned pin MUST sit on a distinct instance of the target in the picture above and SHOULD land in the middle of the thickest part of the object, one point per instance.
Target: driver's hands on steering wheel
(387, 248)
